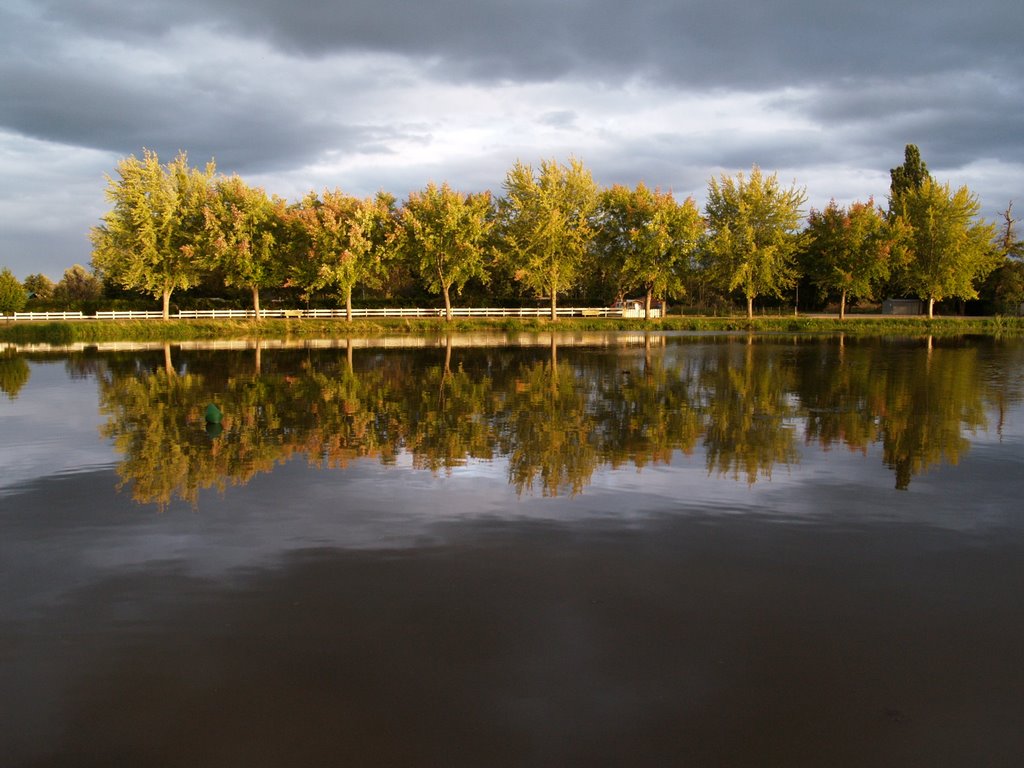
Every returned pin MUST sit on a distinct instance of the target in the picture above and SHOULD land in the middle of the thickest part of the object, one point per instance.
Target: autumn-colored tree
(546, 224)
(847, 250)
(243, 226)
(753, 234)
(153, 237)
(342, 248)
(445, 234)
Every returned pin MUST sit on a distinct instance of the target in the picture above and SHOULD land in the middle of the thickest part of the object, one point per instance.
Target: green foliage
(546, 224)
(40, 285)
(155, 235)
(445, 233)
(753, 234)
(947, 249)
(907, 177)
(1007, 287)
(78, 286)
(649, 238)
(12, 293)
(847, 250)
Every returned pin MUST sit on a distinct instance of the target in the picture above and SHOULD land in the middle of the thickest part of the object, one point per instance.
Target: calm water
(579, 551)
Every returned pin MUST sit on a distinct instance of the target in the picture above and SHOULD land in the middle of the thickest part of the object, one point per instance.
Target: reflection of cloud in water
(50, 428)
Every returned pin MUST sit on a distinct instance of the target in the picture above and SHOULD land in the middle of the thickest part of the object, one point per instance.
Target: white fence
(243, 314)
(49, 316)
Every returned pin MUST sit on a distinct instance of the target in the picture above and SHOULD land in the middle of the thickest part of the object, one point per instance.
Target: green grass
(60, 333)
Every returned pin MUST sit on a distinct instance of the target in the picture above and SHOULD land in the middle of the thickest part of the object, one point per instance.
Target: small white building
(635, 308)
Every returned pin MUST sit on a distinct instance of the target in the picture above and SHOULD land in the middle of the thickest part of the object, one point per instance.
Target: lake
(539, 550)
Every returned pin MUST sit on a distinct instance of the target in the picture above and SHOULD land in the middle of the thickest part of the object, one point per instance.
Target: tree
(12, 293)
(907, 177)
(445, 233)
(546, 224)
(39, 285)
(752, 224)
(650, 237)
(1005, 286)
(242, 225)
(947, 249)
(848, 250)
(342, 249)
(153, 237)
(1009, 244)
(78, 285)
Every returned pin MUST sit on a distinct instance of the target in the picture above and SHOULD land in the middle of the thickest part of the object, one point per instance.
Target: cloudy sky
(308, 94)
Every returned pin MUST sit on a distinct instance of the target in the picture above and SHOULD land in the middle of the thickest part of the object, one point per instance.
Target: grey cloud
(697, 43)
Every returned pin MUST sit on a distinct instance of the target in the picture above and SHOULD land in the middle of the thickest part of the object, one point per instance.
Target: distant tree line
(551, 235)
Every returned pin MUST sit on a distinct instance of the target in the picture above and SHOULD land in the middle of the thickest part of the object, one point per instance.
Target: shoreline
(65, 332)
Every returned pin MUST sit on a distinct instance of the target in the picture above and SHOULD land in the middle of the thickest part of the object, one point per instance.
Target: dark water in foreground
(690, 551)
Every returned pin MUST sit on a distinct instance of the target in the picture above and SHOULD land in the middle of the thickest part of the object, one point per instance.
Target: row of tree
(553, 231)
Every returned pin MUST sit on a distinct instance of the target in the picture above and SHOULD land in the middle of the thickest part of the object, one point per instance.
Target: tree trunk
(348, 304)
(750, 307)
(167, 303)
(647, 306)
(931, 308)
(447, 304)
(554, 308)
(256, 301)
(842, 306)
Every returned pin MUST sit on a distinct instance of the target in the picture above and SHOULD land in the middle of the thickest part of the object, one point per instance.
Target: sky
(387, 95)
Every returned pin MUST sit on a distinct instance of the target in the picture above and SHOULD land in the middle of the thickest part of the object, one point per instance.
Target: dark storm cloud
(391, 94)
(694, 43)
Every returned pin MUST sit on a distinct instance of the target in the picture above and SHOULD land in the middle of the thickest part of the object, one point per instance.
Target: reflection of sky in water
(65, 522)
(51, 427)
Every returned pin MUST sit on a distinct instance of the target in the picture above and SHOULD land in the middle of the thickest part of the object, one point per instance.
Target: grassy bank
(196, 330)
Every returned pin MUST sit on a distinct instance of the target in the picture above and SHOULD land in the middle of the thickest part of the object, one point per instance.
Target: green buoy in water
(213, 414)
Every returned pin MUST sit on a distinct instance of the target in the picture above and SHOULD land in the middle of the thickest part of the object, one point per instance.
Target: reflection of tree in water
(745, 391)
(929, 401)
(916, 398)
(841, 393)
(14, 374)
(149, 421)
(646, 410)
(547, 430)
(555, 420)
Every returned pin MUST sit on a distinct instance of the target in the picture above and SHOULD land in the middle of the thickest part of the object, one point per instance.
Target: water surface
(578, 550)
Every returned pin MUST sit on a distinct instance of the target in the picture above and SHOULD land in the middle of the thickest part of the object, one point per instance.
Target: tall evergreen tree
(904, 178)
